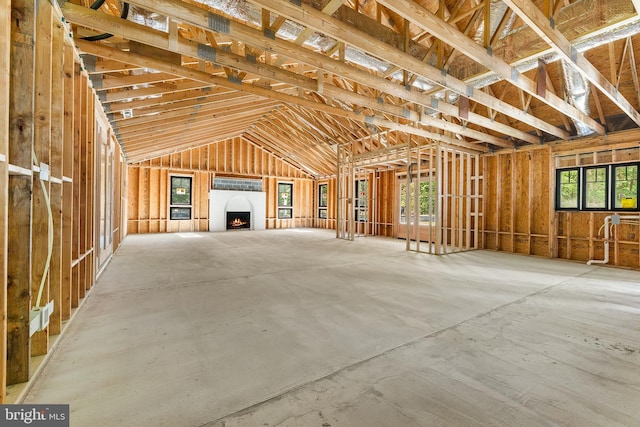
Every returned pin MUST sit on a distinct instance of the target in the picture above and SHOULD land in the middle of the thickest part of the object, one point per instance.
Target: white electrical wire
(50, 236)
(628, 222)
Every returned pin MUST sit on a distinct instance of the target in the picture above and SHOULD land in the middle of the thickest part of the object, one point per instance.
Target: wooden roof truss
(299, 78)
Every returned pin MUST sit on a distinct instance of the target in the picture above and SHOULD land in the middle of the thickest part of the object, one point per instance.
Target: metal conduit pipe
(610, 221)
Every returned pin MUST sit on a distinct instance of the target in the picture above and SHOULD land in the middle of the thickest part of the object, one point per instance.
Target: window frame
(584, 195)
(610, 191)
(613, 187)
(181, 206)
(578, 191)
(323, 208)
(281, 208)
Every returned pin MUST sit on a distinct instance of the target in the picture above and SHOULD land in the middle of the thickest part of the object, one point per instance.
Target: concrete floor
(296, 328)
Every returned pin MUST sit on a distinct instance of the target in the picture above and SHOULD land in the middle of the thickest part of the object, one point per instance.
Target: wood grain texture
(5, 75)
(21, 122)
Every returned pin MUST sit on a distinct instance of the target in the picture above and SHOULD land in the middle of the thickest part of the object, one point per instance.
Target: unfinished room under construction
(321, 212)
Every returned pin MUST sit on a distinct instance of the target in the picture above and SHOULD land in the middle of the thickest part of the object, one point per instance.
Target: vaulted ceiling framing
(299, 78)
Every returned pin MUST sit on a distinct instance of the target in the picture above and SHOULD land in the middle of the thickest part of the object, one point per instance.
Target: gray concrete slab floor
(297, 328)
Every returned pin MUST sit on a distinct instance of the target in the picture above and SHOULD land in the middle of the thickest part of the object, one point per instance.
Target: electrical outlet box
(615, 219)
(39, 318)
(44, 171)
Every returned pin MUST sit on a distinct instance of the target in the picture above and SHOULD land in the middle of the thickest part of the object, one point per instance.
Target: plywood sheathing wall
(148, 199)
(519, 214)
(52, 113)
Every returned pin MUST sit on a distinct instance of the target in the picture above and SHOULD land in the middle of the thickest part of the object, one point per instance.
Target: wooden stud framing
(51, 117)
(527, 221)
(56, 171)
(42, 155)
(21, 119)
(503, 201)
(67, 190)
(239, 157)
(78, 106)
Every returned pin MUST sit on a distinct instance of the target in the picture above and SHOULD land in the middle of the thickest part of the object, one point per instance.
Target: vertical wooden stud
(67, 190)
(439, 198)
(41, 187)
(56, 169)
(446, 201)
(77, 179)
(553, 218)
(91, 185)
(20, 188)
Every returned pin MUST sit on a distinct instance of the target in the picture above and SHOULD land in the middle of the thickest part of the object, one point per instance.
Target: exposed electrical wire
(47, 263)
(95, 6)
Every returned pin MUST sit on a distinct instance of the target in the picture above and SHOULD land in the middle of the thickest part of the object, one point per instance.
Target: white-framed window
(180, 197)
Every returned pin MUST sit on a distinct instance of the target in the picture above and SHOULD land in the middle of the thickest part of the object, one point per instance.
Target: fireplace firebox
(238, 220)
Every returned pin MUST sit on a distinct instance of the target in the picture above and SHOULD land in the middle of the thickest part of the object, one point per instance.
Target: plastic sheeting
(148, 18)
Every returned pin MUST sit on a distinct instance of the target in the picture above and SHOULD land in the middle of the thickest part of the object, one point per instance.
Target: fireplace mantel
(221, 201)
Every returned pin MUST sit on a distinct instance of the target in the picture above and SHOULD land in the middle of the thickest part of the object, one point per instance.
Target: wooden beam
(501, 26)
(425, 19)
(550, 86)
(536, 20)
(200, 18)
(127, 81)
(102, 67)
(367, 102)
(108, 52)
(143, 122)
(196, 141)
(173, 136)
(140, 33)
(145, 108)
(329, 9)
(634, 69)
(264, 137)
(166, 98)
(156, 89)
(159, 39)
(487, 24)
(311, 17)
(214, 116)
(471, 26)
(596, 100)
(267, 132)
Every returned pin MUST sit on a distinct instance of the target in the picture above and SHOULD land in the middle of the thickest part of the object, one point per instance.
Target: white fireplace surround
(221, 201)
